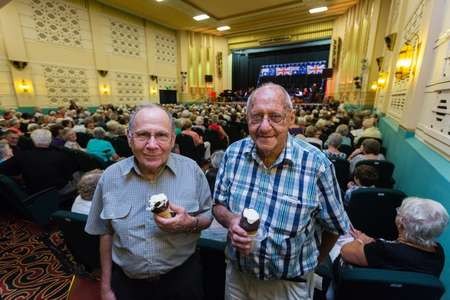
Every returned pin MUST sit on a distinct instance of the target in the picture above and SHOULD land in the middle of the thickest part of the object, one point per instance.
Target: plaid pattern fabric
(297, 198)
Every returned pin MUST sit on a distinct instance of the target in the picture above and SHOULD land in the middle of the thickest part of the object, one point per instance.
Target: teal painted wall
(419, 171)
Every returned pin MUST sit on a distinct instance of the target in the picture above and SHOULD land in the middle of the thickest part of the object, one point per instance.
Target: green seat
(367, 283)
(83, 246)
(37, 207)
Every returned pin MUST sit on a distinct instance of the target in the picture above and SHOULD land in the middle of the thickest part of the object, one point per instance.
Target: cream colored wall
(90, 37)
(358, 31)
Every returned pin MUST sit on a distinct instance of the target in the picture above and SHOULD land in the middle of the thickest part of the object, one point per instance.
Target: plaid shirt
(297, 198)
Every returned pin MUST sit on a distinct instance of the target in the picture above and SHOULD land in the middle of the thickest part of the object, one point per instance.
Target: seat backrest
(385, 170)
(368, 283)
(373, 211)
(187, 147)
(347, 149)
(13, 194)
(83, 246)
(342, 168)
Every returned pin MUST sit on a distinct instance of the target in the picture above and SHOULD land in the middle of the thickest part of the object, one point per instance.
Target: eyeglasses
(273, 118)
(144, 136)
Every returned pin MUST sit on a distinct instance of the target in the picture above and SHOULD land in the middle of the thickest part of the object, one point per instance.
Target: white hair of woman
(41, 138)
(334, 139)
(99, 133)
(422, 220)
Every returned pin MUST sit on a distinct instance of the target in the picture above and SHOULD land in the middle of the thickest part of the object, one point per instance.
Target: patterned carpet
(33, 263)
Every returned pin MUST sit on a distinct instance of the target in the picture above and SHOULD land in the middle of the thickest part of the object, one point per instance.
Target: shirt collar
(130, 164)
(286, 155)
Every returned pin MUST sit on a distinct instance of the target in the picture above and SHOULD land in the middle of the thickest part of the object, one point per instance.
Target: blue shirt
(297, 198)
(100, 148)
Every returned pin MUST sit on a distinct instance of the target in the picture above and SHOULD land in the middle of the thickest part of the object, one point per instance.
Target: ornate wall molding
(126, 38)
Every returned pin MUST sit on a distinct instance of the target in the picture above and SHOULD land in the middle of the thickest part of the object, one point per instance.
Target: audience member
(86, 188)
(344, 132)
(369, 150)
(101, 148)
(211, 173)
(312, 136)
(364, 176)
(70, 138)
(333, 142)
(419, 223)
(5, 151)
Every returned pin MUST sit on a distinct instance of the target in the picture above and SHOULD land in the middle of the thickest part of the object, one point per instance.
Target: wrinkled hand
(361, 236)
(350, 184)
(239, 237)
(181, 222)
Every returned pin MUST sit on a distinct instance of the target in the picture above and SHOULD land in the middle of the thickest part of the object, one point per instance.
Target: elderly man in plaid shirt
(293, 187)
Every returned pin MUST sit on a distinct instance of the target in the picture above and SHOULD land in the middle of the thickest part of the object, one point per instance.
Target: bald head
(151, 107)
(273, 91)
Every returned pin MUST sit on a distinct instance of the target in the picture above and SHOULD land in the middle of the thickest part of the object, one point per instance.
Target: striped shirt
(297, 198)
(139, 246)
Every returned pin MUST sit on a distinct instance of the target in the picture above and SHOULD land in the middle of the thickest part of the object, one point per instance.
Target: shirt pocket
(117, 213)
(291, 225)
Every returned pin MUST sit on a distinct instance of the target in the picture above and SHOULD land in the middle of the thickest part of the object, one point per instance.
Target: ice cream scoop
(250, 221)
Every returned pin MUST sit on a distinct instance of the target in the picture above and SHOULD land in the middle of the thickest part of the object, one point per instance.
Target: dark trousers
(182, 283)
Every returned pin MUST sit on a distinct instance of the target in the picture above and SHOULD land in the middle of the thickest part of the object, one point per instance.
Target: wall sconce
(381, 81)
(357, 82)
(102, 73)
(105, 90)
(154, 78)
(404, 61)
(183, 75)
(374, 86)
(19, 65)
(23, 86)
(153, 91)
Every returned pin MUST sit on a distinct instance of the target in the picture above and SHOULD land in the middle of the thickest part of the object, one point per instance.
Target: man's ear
(291, 117)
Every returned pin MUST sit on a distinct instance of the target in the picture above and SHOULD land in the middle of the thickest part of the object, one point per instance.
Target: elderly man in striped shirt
(145, 256)
(293, 187)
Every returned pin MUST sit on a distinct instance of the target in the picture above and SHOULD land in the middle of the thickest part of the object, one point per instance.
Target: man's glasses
(273, 118)
(144, 136)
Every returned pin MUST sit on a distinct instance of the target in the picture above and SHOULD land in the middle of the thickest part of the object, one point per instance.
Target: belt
(296, 279)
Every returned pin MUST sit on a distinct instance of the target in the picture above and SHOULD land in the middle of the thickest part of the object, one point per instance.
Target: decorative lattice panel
(64, 84)
(440, 118)
(398, 102)
(167, 83)
(126, 39)
(56, 22)
(166, 48)
(130, 87)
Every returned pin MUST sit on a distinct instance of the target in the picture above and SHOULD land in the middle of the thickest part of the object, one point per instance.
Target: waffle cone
(165, 214)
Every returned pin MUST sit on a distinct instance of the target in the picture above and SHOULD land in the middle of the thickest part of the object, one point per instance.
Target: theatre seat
(347, 149)
(84, 247)
(367, 283)
(37, 207)
(373, 211)
(342, 168)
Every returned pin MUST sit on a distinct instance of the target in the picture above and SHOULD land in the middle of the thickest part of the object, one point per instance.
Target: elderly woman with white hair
(419, 223)
(101, 148)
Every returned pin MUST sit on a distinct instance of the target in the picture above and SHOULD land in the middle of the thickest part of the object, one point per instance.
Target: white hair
(216, 158)
(41, 137)
(270, 85)
(99, 132)
(334, 139)
(423, 220)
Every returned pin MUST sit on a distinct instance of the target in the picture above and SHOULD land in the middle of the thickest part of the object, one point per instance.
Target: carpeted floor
(33, 263)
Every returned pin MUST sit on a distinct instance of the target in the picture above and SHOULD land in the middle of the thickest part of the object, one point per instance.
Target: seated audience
(101, 148)
(86, 188)
(312, 136)
(344, 132)
(42, 166)
(5, 151)
(70, 137)
(13, 140)
(334, 141)
(370, 131)
(369, 150)
(57, 133)
(211, 173)
(364, 177)
(419, 223)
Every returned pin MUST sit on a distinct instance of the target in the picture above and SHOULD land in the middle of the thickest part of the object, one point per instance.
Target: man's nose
(152, 142)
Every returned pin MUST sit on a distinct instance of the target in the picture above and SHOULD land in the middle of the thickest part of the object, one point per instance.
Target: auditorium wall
(93, 54)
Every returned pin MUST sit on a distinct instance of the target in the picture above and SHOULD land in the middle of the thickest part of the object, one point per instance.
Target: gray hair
(4, 148)
(132, 121)
(99, 132)
(216, 158)
(87, 184)
(41, 137)
(342, 129)
(335, 139)
(423, 220)
(270, 85)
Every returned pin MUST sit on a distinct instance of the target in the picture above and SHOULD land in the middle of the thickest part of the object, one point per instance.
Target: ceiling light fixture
(159, 0)
(223, 28)
(316, 10)
(201, 17)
